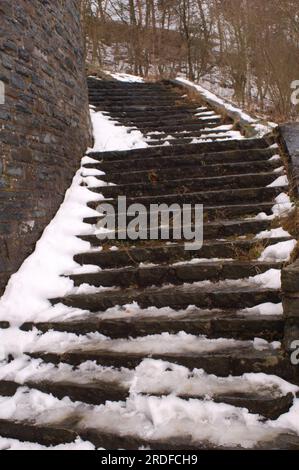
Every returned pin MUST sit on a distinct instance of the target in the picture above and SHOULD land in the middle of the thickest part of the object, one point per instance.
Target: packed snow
(233, 111)
(153, 418)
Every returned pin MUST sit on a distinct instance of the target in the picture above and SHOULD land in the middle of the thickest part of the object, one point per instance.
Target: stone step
(147, 108)
(176, 161)
(64, 433)
(185, 185)
(161, 253)
(175, 118)
(170, 129)
(209, 198)
(188, 140)
(174, 274)
(157, 99)
(142, 116)
(95, 393)
(136, 102)
(212, 230)
(172, 124)
(239, 295)
(254, 145)
(190, 134)
(213, 324)
(266, 400)
(199, 171)
(125, 95)
(159, 136)
(210, 213)
(94, 84)
(237, 359)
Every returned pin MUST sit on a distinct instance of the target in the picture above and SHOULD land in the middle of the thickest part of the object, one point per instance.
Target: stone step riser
(177, 161)
(162, 275)
(142, 116)
(187, 140)
(159, 138)
(135, 101)
(168, 118)
(211, 214)
(188, 185)
(170, 129)
(101, 392)
(238, 328)
(222, 365)
(252, 145)
(209, 198)
(145, 108)
(168, 254)
(211, 231)
(204, 171)
(56, 435)
(164, 125)
(176, 299)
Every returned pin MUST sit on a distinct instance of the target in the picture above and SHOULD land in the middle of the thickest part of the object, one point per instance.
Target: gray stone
(289, 137)
(40, 151)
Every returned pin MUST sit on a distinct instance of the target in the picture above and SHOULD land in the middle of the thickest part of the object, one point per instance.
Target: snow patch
(280, 252)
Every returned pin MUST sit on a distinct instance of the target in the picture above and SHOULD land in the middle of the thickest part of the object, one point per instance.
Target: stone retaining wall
(44, 123)
(288, 136)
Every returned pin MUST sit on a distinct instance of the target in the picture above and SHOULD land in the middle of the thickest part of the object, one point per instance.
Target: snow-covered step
(180, 273)
(254, 145)
(188, 126)
(213, 230)
(225, 196)
(211, 213)
(226, 295)
(269, 396)
(171, 253)
(222, 357)
(200, 171)
(149, 161)
(149, 422)
(212, 323)
(189, 184)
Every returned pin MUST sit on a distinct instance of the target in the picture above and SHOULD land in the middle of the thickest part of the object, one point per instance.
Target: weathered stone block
(291, 306)
(290, 278)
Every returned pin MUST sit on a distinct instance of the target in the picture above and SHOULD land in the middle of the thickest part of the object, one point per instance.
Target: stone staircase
(196, 310)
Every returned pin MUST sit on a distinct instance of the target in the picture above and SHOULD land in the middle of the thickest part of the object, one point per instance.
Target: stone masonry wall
(44, 123)
(288, 136)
